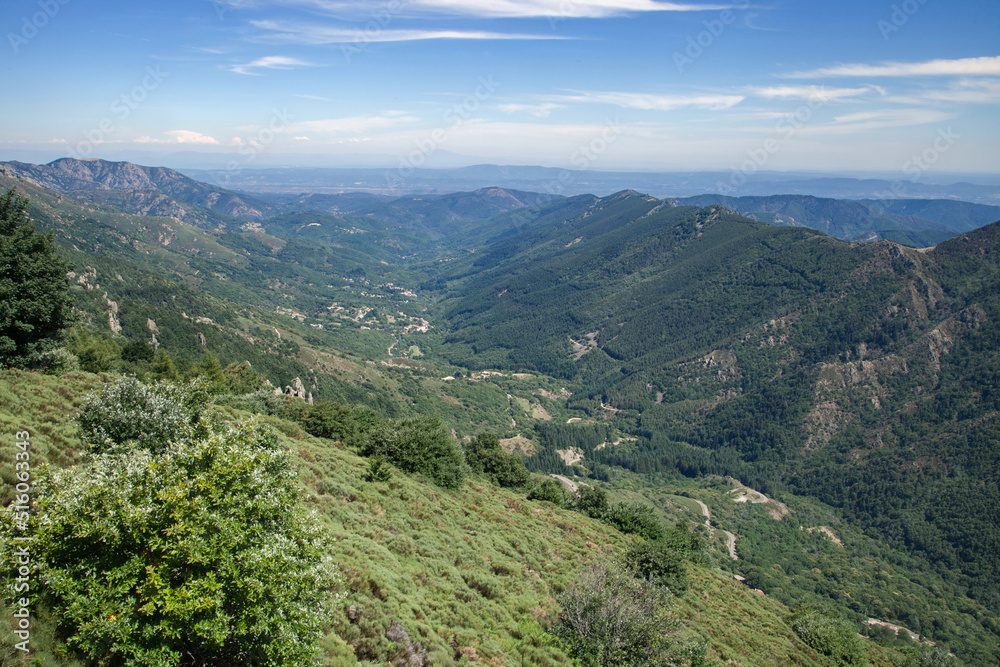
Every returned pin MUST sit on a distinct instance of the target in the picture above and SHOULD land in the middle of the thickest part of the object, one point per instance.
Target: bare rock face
(151, 325)
(299, 388)
(201, 339)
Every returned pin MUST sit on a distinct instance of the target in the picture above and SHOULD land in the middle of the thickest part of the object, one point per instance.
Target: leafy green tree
(242, 379)
(96, 353)
(422, 445)
(610, 617)
(162, 367)
(197, 555)
(137, 350)
(210, 370)
(34, 295)
(485, 456)
(330, 420)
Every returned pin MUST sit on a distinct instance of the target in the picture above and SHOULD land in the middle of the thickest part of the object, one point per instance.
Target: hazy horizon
(910, 89)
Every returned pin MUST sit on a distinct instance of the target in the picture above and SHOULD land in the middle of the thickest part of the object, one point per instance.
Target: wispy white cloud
(181, 137)
(818, 93)
(653, 102)
(975, 91)
(269, 62)
(313, 97)
(986, 65)
(305, 33)
(558, 8)
(501, 8)
(536, 110)
(863, 121)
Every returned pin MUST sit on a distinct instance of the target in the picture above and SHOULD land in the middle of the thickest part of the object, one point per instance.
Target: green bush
(379, 470)
(330, 420)
(834, 638)
(421, 445)
(241, 378)
(197, 555)
(591, 501)
(610, 617)
(660, 561)
(150, 416)
(549, 490)
(485, 456)
(96, 353)
(636, 519)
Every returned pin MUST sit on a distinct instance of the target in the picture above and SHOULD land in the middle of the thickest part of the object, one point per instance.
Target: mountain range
(640, 344)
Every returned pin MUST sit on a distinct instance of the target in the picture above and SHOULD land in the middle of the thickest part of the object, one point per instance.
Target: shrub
(549, 490)
(96, 354)
(660, 561)
(636, 519)
(197, 555)
(610, 617)
(591, 501)
(330, 420)
(421, 445)
(241, 379)
(379, 470)
(151, 416)
(263, 402)
(485, 456)
(834, 638)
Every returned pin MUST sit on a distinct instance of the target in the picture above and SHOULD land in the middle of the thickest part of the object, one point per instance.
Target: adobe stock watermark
(250, 147)
(714, 28)
(379, 22)
(454, 117)
(22, 554)
(583, 157)
(122, 107)
(221, 9)
(785, 128)
(900, 16)
(916, 165)
(31, 25)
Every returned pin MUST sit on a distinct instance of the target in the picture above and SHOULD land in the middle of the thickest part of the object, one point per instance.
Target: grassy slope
(469, 574)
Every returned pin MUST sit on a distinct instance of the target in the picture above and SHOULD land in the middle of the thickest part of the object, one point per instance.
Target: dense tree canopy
(34, 296)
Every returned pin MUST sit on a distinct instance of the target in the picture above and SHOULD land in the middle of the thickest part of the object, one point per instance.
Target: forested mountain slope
(861, 374)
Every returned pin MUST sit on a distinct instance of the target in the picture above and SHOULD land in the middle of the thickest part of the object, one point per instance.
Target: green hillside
(472, 575)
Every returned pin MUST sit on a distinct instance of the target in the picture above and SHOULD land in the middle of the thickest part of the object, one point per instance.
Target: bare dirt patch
(570, 456)
(826, 530)
(518, 445)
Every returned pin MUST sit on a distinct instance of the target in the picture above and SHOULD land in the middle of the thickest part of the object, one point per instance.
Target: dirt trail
(730, 538)
(704, 510)
(731, 544)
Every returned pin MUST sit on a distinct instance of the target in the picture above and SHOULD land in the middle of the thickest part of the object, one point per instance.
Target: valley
(801, 397)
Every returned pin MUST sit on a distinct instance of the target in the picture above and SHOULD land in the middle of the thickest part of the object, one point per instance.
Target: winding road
(730, 538)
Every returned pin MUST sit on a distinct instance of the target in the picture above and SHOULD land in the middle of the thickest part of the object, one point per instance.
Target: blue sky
(904, 86)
